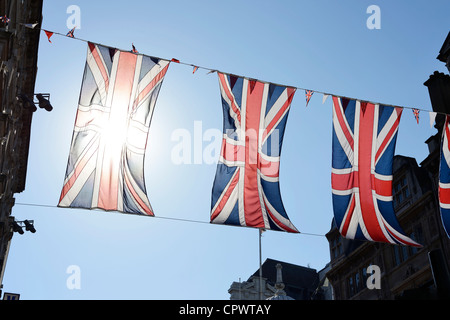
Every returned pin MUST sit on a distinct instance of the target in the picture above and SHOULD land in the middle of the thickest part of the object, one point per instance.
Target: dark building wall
(18, 68)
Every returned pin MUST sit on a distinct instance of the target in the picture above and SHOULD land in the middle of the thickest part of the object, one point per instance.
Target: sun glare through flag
(106, 161)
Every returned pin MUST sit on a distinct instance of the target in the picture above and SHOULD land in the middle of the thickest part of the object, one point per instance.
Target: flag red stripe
(342, 122)
(110, 171)
(366, 128)
(252, 201)
(93, 116)
(344, 182)
(280, 113)
(444, 195)
(231, 152)
(350, 212)
(382, 187)
(150, 86)
(92, 149)
(389, 135)
(269, 168)
(400, 240)
(137, 197)
(278, 222)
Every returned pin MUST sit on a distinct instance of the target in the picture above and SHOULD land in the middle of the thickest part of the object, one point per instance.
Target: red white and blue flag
(444, 177)
(308, 95)
(246, 189)
(71, 32)
(106, 160)
(416, 114)
(364, 138)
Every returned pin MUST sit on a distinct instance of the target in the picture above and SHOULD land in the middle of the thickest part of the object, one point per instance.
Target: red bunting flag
(49, 35)
(195, 69)
(175, 60)
(416, 114)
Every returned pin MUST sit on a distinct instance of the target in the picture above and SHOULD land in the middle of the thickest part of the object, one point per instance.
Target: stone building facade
(18, 68)
(280, 281)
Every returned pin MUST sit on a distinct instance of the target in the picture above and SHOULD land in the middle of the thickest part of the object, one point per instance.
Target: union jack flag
(246, 189)
(364, 137)
(70, 34)
(5, 19)
(106, 160)
(308, 94)
(416, 114)
(444, 177)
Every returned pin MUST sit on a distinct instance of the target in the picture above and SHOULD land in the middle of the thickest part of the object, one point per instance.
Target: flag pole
(260, 231)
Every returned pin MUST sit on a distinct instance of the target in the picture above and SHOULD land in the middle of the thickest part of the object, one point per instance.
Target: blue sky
(319, 45)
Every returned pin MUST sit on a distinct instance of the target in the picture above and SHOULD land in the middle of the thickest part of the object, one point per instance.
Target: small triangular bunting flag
(31, 25)
(70, 34)
(308, 94)
(416, 114)
(432, 118)
(49, 35)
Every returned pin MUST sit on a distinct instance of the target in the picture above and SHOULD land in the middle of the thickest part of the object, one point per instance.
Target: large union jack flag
(364, 137)
(246, 189)
(444, 177)
(106, 160)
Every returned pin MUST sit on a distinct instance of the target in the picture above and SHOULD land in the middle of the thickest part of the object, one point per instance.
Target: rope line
(159, 217)
(211, 70)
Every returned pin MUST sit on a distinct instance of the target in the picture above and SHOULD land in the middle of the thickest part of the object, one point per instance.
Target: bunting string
(196, 67)
(163, 218)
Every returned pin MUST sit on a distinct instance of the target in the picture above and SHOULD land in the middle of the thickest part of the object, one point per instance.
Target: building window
(356, 282)
(417, 236)
(397, 256)
(401, 191)
(336, 247)
(402, 253)
(351, 287)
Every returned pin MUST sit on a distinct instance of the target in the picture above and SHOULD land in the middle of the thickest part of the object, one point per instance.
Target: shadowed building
(280, 281)
(18, 68)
